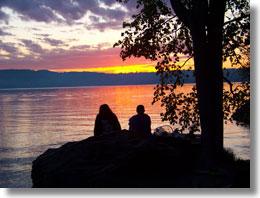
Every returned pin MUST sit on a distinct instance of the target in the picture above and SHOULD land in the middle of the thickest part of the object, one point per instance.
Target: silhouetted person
(140, 124)
(106, 121)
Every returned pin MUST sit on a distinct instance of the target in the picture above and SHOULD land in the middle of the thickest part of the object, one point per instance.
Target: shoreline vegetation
(123, 160)
(242, 114)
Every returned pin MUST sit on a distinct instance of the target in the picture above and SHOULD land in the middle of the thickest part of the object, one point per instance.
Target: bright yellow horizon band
(118, 69)
(125, 69)
(139, 68)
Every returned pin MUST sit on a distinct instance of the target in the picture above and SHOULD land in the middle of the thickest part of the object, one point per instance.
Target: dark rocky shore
(121, 160)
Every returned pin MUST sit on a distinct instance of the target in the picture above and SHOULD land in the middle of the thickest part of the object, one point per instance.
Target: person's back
(140, 124)
(106, 121)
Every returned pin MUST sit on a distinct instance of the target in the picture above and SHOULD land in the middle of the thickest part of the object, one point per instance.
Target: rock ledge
(121, 160)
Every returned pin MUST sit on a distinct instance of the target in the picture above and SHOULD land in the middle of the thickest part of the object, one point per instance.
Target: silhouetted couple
(107, 122)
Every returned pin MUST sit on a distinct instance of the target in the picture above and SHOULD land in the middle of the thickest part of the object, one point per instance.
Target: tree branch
(166, 21)
(182, 12)
(236, 19)
(230, 84)
(186, 61)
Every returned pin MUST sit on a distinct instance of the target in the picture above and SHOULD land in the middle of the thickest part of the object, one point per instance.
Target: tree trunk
(205, 20)
(207, 44)
(200, 47)
(215, 38)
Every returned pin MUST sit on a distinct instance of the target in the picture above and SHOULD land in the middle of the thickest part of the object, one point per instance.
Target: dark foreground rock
(120, 160)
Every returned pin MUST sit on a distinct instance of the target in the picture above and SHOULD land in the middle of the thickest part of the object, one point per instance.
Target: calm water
(32, 121)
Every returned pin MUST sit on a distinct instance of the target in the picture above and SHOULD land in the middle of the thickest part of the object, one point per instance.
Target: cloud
(42, 34)
(80, 47)
(3, 16)
(32, 46)
(66, 11)
(3, 33)
(72, 14)
(54, 42)
(9, 48)
(67, 59)
(102, 26)
(31, 9)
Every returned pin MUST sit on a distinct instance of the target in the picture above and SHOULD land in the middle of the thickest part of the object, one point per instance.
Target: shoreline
(79, 87)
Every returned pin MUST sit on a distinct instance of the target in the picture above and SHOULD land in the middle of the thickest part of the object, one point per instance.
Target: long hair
(105, 112)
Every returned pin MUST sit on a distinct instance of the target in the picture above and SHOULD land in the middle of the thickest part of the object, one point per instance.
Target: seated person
(140, 124)
(106, 121)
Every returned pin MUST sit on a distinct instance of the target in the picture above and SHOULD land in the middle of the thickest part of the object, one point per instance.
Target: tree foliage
(156, 33)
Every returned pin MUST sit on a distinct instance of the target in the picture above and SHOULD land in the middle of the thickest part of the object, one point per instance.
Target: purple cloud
(80, 47)
(32, 46)
(102, 26)
(4, 33)
(31, 9)
(51, 10)
(66, 12)
(3, 16)
(54, 42)
(10, 48)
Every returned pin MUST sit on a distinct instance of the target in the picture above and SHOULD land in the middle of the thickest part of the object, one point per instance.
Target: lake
(33, 120)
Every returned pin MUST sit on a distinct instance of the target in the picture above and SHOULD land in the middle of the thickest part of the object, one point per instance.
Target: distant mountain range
(44, 78)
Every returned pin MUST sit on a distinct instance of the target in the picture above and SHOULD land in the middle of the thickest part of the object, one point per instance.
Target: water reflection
(33, 120)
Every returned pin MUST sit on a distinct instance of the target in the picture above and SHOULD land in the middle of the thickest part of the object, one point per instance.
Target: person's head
(140, 109)
(104, 110)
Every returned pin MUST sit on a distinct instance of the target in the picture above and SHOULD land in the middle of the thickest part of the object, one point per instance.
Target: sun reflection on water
(33, 120)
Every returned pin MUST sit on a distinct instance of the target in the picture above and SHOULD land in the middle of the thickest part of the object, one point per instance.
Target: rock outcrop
(121, 160)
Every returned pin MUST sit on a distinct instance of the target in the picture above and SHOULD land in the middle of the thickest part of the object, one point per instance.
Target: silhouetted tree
(209, 31)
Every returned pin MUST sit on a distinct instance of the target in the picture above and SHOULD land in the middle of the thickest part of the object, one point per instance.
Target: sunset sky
(65, 35)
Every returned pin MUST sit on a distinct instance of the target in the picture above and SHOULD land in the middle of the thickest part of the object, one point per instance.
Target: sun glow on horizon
(120, 69)
(134, 68)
